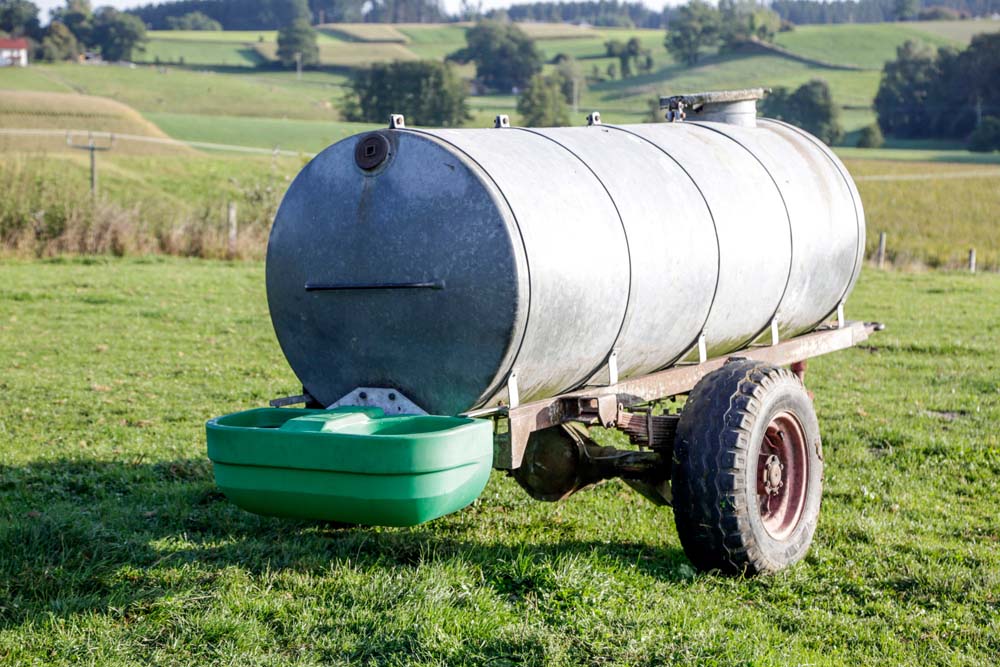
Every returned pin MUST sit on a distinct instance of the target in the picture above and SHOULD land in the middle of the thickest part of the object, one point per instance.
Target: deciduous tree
(426, 91)
(505, 56)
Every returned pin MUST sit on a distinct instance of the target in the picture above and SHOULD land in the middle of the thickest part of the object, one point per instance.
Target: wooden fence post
(972, 260)
(880, 258)
(232, 230)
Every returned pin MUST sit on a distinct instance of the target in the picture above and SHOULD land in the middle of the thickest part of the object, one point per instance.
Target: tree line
(276, 14)
(605, 13)
(74, 29)
(802, 12)
(943, 93)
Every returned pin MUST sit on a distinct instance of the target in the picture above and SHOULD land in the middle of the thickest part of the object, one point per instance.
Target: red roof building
(14, 52)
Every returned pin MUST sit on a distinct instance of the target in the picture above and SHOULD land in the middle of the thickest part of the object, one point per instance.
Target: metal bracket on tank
(392, 401)
(594, 118)
(503, 120)
(396, 121)
(774, 332)
(702, 348)
(513, 396)
(841, 320)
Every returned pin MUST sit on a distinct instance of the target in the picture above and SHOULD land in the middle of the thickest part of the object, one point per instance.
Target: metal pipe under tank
(437, 265)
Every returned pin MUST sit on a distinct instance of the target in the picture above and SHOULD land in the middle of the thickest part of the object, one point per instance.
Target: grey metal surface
(391, 401)
(469, 255)
(425, 216)
(752, 225)
(735, 107)
(674, 257)
(820, 208)
(577, 254)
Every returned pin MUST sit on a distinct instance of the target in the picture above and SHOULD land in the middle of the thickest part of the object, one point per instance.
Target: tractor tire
(747, 470)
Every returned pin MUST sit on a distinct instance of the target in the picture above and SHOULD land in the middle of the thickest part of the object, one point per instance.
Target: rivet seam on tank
(700, 342)
(497, 386)
(859, 254)
(627, 311)
(788, 217)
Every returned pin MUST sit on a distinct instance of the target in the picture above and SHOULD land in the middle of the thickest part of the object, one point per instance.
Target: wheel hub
(772, 475)
(782, 473)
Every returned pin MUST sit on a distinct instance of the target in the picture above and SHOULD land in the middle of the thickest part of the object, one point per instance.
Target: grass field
(227, 86)
(933, 212)
(363, 32)
(198, 52)
(61, 111)
(118, 550)
(865, 45)
(309, 136)
(176, 90)
(958, 31)
(148, 202)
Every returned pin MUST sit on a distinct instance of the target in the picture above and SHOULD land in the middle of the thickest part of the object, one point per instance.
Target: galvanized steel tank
(438, 262)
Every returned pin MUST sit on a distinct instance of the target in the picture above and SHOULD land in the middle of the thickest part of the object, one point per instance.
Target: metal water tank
(437, 263)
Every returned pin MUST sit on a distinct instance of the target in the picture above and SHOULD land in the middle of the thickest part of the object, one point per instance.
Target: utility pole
(298, 65)
(93, 147)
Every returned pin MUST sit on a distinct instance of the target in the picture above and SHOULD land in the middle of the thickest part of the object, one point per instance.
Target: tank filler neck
(736, 107)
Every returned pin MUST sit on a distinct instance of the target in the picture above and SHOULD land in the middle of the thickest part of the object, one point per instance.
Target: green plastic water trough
(353, 465)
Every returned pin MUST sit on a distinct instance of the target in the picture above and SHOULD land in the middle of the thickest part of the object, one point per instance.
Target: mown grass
(310, 136)
(118, 550)
(959, 31)
(200, 52)
(177, 90)
(862, 44)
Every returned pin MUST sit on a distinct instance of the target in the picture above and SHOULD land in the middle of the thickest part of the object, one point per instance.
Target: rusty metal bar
(538, 415)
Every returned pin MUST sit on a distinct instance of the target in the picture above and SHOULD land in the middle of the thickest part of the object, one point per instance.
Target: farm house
(13, 52)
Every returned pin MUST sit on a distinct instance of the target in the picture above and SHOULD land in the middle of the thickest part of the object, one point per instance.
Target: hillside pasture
(867, 45)
(308, 136)
(363, 32)
(200, 52)
(61, 118)
(961, 32)
(179, 90)
(628, 99)
(349, 54)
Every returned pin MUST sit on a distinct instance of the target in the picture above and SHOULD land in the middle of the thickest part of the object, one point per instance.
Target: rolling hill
(206, 85)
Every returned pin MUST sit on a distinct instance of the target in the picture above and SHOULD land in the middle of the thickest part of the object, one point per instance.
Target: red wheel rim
(782, 475)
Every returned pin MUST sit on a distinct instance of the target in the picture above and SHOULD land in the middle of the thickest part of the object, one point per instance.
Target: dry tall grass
(44, 215)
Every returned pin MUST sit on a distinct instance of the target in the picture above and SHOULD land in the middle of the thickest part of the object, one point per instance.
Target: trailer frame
(607, 405)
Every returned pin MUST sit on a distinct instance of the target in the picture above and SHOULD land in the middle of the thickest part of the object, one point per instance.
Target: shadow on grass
(82, 536)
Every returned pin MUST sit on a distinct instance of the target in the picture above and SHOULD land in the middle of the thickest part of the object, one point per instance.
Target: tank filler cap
(371, 150)
(736, 107)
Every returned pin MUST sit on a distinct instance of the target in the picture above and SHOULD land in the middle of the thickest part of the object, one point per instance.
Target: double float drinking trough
(456, 300)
